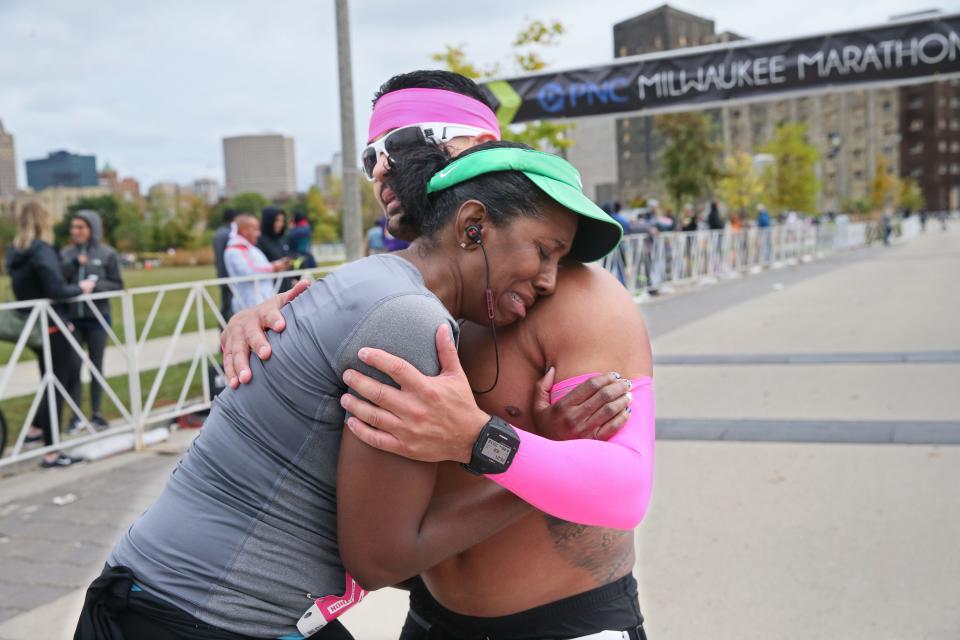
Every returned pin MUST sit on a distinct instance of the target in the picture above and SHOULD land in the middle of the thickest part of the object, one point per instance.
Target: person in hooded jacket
(273, 239)
(35, 273)
(88, 257)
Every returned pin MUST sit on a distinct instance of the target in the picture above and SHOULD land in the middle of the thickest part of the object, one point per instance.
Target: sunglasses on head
(411, 136)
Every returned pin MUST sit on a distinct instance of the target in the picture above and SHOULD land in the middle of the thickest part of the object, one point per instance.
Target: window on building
(941, 146)
(626, 137)
(955, 102)
(916, 173)
(623, 51)
(955, 168)
(626, 154)
(916, 149)
(916, 124)
(658, 43)
(942, 169)
(954, 124)
(942, 123)
(915, 102)
(682, 41)
(858, 175)
(955, 146)
(887, 105)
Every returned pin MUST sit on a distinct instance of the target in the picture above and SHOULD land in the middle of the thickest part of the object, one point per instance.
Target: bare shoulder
(591, 323)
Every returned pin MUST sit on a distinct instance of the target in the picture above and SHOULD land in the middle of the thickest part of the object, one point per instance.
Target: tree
(326, 226)
(791, 182)
(910, 196)
(526, 58)
(250, 202)
(114, 212)
(884, 185)
(740, 187)
(689, 156)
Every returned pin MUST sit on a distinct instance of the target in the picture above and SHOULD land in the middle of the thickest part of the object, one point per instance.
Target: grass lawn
(15, 409)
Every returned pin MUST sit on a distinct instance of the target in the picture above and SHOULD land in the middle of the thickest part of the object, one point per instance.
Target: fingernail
(263, 352)
(278, 326)
(343, 402)
(348, 377)
(629, 397)
(234, 382)
(629, 383)
(629, 410)
(362, 354)
(616, 375)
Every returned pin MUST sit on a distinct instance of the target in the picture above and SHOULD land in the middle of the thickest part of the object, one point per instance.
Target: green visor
(597, 233)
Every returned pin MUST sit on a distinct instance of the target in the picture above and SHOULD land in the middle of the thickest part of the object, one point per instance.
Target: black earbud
(474, 233)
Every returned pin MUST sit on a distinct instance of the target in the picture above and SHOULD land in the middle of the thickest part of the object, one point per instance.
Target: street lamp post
(352, 222)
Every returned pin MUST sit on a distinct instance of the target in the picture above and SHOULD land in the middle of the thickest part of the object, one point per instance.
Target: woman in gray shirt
(243, 539)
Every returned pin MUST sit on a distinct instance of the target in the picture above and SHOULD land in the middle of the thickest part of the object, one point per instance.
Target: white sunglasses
(412, 135)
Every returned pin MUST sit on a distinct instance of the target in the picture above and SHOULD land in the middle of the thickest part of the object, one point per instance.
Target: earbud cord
(493, 327)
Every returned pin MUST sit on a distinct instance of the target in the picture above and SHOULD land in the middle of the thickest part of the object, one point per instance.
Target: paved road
(745, 539)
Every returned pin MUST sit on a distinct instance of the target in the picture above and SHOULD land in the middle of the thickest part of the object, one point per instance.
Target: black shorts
(612, 607)
(115, 609)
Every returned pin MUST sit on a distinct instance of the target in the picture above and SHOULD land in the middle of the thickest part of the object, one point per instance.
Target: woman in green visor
(242, 542)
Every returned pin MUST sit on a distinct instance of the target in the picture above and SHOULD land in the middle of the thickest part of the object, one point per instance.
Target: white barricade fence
(193, 344)
(643, 262)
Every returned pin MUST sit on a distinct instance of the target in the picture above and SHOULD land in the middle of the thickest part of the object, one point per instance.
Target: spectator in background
(35, 272)
(614, 212)
(691, 221)
(300, 237)
(390, 242)
(273, 239)
(89, 258)
(243, 258)
(763, 217)
(374, 240)
(714, 219)
(220, 239)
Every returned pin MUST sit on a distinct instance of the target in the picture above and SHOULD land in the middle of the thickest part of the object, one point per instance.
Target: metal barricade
(192, 343)
(645, 262)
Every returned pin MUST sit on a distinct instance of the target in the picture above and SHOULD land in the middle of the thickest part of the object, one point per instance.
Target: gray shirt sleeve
(405, 326)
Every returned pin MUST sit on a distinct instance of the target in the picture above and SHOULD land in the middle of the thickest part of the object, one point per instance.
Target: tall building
(930, 141)
(321, 176)
(850, 128)
(126, 188)
(208, 189)
(594, 153)
(8, 164)
(261, 164)
(638, 144)
(62, 169)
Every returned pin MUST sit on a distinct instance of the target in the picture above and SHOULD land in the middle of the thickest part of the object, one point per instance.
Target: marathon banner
(676, 80)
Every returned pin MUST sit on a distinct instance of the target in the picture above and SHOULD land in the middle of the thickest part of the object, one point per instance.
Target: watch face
(495, 451)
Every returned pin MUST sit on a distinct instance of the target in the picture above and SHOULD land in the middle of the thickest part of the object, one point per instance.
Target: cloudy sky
(152, 87)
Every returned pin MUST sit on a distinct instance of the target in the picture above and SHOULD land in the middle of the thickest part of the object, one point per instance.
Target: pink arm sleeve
(592, 482)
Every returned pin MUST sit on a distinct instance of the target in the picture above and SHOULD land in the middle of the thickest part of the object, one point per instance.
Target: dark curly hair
(505, 194)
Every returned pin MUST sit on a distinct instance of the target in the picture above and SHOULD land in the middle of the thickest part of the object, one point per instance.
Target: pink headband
(412, 106)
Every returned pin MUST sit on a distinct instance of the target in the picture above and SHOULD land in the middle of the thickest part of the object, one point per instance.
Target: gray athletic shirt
(246, 526)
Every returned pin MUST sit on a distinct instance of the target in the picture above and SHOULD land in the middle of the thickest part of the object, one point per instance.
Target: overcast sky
(152, 87)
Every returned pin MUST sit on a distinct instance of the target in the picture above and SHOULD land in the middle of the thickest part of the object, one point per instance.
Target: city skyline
(190, 76)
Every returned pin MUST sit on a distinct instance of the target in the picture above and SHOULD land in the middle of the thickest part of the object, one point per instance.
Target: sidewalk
(744, 540)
